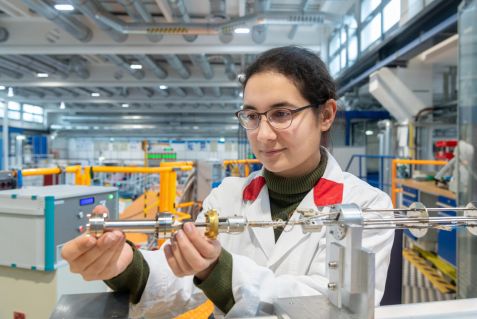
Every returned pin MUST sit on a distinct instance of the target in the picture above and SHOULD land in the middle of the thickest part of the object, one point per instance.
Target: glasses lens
(249, 119)
(280, 118)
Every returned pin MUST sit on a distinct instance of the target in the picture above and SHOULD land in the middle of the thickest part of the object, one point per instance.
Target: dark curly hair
(304, 68)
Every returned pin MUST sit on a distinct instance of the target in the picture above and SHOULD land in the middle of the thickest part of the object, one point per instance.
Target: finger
(100, 209)
(110, 272)
(190, 253)
(76, 247)
(102, 246)
(203, 245)
(171, 260)
(181, 261)
(103, 264)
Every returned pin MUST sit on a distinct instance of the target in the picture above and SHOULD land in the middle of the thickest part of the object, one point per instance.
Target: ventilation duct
(40, 66)
(177, 65)
(8, 64)
(74, 27)
(200, 60)
(138, 74)
(150, 64)
(96, 12)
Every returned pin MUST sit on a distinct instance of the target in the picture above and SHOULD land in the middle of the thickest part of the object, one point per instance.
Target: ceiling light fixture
(64, 7)
(369, 132)
(42, 75)
(62, 105)
(2, 88)
(163, 87)
(10, 92)
(242, 30)
(125, 105)
(135, 66)
(95, 94)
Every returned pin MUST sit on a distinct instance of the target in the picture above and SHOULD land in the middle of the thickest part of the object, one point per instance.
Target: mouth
(272, 152)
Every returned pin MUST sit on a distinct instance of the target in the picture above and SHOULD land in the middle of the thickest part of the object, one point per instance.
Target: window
(367, 6)
(391, 14)
(14, 110)
(371, 32)
(334, 44)
(32, 113)
(335, 65)
(343, 58)
(353, 49)
(2, 109)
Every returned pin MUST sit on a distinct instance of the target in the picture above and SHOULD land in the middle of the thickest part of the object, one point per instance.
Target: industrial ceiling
(152, 67)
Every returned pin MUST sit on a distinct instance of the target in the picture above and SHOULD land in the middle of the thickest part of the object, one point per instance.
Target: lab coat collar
(328, 191)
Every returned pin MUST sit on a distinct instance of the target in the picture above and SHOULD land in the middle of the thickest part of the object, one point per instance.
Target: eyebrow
(275, 105)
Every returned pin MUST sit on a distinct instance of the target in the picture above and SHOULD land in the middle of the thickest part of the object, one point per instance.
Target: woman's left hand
(191, 253)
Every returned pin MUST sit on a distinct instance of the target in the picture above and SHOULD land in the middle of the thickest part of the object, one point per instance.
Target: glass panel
(2, 109)
(14, 115)
(14, 106)
(32, 109)
(367, 6)
(391, 14)
(353, 49)
(467, 155)
(334, 44)
(38, 118)
(343, 58)
(335, 65)
(371, 32)
(28, 117)
(343, 36)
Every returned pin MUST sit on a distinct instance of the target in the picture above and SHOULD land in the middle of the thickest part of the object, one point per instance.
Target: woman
(289, 108)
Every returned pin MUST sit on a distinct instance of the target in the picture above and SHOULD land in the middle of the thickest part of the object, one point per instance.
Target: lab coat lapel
(258, 209)
(328, 191)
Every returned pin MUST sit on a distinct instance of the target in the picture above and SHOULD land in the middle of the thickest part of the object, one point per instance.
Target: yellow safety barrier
(54, 171)
(395, 162)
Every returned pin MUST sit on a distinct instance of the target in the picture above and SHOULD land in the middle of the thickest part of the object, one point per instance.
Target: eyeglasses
(280, 118)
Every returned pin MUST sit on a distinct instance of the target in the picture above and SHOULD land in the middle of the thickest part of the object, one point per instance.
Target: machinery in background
(7, 180)
(209, 175)
(35, 222)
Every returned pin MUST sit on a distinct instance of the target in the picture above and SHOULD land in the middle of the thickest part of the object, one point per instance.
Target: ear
(328, 114)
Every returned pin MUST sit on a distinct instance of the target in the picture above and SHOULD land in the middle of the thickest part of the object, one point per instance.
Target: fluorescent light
(195, 127)
(2, 88)
(62, 105)
(42, 75)
(64, 7)
(125, 105)
(136, 66)
(95, 94)
(241, 94)
(163, 87)
(368, 132)
(10, 92)
(221, 139)
(242, 30)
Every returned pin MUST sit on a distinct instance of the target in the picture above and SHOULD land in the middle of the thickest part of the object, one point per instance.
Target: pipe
(137, 10)
(40, 66)
(229, 65)
(149, 92)
(216, 91)
(138, 74)
(198, 91)
(11, 73)
(4, 35)
(162, 92)
(151, 64)
(15, 66)
(79, 66)
(179, 7)
(304, 4)
(177, 65)
(200, 60)
(140, 170)
(96, 12)
(179, 92)
(71, 25)
(6, 140)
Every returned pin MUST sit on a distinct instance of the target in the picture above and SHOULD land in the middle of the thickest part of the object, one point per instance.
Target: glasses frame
(292, 111)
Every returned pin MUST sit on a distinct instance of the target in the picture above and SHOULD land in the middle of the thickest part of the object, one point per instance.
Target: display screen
(86, 201)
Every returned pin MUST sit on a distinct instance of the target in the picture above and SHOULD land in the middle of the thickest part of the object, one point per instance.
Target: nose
(265, 131)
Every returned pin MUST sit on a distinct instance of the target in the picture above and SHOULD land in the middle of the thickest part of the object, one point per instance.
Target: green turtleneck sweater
(285, 195)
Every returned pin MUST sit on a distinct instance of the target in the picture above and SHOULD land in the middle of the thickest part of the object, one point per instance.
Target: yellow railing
(395, 162)
(245, 162)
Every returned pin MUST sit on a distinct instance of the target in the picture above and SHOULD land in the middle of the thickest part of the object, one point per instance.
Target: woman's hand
(191, 253)
(98, 259)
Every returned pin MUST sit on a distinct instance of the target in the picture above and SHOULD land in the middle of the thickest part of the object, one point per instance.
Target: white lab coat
(262, 269)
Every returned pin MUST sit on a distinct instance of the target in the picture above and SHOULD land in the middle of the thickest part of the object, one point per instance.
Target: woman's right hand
(100, 258)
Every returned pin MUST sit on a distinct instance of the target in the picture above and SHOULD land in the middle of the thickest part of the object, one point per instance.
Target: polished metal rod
(430, 209)
(422, 220)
